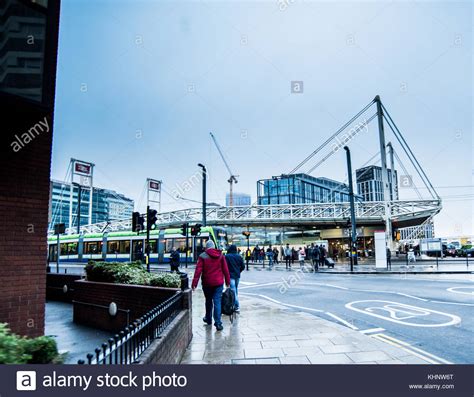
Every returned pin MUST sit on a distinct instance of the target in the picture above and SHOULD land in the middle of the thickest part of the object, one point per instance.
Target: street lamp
(351, 200)
(204, 204)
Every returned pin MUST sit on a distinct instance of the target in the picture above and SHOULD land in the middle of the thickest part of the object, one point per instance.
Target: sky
(142, 83)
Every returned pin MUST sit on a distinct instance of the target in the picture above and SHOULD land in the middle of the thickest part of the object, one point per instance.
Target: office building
(107, 205)
(370, 186)
(300, 189)
(239, 199)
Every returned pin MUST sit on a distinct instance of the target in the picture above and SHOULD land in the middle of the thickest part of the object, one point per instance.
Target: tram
(128, 246)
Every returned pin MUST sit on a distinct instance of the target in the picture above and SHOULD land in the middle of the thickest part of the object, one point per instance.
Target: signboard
(82, 168)
(154, 185)
(59, 228)
(380, 250)
(431, 245)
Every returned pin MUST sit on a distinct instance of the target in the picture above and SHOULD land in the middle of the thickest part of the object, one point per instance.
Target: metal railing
(373, 211)
(127, 346)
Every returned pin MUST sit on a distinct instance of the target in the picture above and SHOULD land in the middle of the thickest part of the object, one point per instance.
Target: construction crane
(232, 178)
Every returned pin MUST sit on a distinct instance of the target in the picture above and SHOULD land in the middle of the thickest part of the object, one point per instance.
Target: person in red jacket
(212, 269)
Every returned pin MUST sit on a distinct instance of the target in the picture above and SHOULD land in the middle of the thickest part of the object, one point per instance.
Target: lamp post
(351, 201)
(204, 204)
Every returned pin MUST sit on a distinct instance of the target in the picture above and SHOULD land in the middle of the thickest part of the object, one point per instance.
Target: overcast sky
(142, 83)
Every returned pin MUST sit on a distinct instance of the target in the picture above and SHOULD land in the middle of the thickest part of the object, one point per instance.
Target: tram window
(153, 246)
(178, 243)
(93, 247)
(52, 252)
(124, 247)
(68, 248)
(113, 247)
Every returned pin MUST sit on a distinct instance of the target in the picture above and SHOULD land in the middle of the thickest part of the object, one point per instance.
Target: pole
(204, 203)
(247, 256)
(79, 194)
(187, 247)
(393, 179)
(383, 160)
(57, 253)
(147, 246)
(351, 201)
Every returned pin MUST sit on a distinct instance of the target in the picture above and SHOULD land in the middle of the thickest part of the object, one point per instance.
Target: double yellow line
(428, 357)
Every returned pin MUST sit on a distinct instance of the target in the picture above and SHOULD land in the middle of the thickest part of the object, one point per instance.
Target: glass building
(107, 205)
(370, 186)
(239, 199)
(300, 189)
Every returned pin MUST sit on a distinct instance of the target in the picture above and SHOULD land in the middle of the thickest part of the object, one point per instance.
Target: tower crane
(232, 178)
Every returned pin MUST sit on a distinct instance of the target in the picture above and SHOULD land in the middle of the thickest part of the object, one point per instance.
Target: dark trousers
(315, 263)
(213, 304)
(288, 260)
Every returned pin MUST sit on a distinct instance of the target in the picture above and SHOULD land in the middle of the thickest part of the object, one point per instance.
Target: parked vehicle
(465, 250)
(450, 250)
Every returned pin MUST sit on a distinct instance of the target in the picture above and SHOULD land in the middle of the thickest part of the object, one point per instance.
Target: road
(429, 315)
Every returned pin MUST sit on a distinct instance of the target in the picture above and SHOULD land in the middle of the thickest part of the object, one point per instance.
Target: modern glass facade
(300, 189)
(107, 205)
(239, 199)
(370, 186)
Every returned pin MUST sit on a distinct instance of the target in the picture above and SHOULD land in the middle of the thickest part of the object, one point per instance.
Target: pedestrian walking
(174, 260)
(301, 256)
(322, 255)
(212, 269)
(270, 256)
(335, 254)
(389, 258)
(236, 266)
(287, 251)
(294, 255)
(275, 256)
(315, 257)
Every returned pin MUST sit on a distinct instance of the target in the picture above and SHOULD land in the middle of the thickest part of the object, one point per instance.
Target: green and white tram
(128, 246)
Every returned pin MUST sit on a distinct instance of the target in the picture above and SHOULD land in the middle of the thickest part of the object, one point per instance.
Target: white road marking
(381, 338)
(335, 286)
(283, 304)
(454, 303)
(347, 324)
(454, 290)
(408, 310)
(411, 296)
(261, 285)
(372, 330)
(246, 283)
(416, 349)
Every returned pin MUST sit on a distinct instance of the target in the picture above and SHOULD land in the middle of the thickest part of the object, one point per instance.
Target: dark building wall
(24, 197)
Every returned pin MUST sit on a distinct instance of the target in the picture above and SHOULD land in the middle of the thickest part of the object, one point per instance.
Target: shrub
(129, 273)
(169, 280)
(19, 350)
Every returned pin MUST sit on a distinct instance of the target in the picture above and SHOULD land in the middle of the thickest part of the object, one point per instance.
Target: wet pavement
(267, 333)
(76, 340)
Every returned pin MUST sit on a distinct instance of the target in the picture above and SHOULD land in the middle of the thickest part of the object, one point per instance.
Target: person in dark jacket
(236, 266)
(212, 268)
(174, 260)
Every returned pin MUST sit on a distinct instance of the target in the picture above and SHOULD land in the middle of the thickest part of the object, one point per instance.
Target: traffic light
(138, 222)
(184, 229)
(151, 218)
(196, 229)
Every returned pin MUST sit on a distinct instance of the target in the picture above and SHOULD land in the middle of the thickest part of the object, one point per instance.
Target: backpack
(228, 303)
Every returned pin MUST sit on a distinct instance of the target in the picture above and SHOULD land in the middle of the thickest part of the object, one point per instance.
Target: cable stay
(314, 153)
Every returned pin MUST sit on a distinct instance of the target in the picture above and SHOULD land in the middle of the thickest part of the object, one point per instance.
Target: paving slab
(268, 333)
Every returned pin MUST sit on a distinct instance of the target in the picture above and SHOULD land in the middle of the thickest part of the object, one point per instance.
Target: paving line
(261, 285)
(347, 324)
(372, 330)
(411, 296)
(412, 349)
(283, 304)
(335, 286)
(453, 303)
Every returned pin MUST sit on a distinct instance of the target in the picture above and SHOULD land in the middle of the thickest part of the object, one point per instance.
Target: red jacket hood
(213, 252)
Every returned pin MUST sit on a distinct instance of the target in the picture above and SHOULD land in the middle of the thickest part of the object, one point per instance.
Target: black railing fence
(127, 346)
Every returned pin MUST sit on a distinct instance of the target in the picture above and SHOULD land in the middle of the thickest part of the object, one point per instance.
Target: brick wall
(174, 341)
(92, 299)
(55, 283)
(24, 194)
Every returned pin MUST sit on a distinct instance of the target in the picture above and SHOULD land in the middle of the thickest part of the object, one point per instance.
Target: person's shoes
(237, 310)
(206, 321)
(219, 327)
